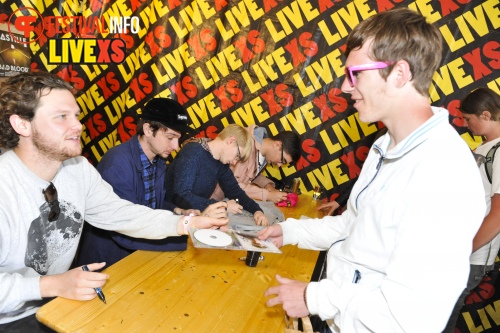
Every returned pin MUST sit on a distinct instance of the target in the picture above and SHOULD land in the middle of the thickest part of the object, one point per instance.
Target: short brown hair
(482, 99)
(401, 34)
(20, 95)
(154, 125)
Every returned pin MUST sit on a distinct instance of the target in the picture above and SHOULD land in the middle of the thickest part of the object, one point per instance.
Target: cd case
(238, 238)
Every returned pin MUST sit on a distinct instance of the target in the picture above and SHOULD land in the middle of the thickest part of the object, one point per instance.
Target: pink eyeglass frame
(349, 70)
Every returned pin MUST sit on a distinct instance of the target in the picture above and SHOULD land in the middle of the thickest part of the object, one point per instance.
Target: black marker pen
(97, 290)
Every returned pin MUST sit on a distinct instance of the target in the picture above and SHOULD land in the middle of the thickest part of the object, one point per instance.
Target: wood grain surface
(197, 290)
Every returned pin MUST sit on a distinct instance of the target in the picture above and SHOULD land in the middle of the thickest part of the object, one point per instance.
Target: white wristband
(186, 223)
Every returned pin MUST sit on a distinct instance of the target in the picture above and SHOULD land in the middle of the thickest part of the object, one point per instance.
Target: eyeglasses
(50, 194)
(350, 71)
(239, 153)
(283, 161)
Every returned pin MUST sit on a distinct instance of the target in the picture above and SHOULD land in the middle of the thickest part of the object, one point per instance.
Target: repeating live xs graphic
(277, 64)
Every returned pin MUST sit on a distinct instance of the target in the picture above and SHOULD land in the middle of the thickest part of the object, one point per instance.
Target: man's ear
(402, 72)
(20, 125)
(486, 115)
(148, 131)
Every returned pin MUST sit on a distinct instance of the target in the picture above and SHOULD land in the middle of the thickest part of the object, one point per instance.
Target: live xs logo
(74, 50)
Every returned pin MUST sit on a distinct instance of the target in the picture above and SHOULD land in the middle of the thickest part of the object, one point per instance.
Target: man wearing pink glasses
(398, 256)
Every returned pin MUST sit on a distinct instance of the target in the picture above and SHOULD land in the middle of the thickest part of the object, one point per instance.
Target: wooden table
(197, 290)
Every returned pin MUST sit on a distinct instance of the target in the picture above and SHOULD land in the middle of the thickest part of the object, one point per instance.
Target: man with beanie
(136, 170)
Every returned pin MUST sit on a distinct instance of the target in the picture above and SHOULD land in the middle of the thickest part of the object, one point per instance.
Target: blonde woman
(202, 163)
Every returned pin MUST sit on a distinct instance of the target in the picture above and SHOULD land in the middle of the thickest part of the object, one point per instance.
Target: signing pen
(97, 290)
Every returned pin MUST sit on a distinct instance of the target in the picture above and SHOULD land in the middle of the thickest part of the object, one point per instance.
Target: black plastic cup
(252, 258)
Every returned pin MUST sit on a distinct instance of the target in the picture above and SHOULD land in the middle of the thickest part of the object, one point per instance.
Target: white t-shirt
(31, 246)
(479, 257)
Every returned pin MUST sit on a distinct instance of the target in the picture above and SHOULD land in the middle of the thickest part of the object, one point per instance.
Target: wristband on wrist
(186, 223)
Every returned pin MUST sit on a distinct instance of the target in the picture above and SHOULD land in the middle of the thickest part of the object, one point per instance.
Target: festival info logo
(82, 47)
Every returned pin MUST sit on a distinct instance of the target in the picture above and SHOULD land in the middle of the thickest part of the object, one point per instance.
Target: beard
(51, 149)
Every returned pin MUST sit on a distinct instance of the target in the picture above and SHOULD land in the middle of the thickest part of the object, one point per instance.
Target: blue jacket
(121, 167)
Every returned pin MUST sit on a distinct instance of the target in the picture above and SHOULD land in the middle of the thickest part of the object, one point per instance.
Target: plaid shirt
(148, 177)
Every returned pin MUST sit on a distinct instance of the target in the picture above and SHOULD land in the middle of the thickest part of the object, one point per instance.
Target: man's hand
(276, 196)
(260, 218)
(203, 222)
(290, 293)
(217, 210)
(233, 207)
(328, 207)
(274, 233)
(74, 284)
(187, 212)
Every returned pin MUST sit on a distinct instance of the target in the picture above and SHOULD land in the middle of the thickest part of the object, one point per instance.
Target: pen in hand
(97, 290)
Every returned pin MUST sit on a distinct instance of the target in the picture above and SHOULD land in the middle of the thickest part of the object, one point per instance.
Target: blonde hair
(243, 138)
